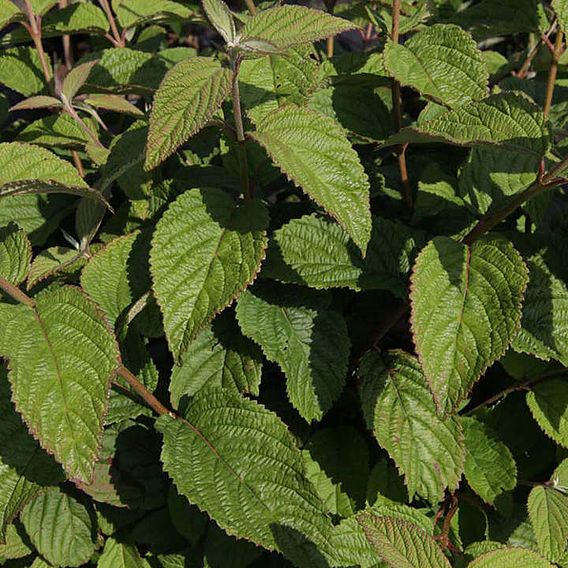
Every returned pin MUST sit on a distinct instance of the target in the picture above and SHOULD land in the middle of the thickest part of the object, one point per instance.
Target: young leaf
(466, 308)
(401, 544)
(289, 26)
(510, 557)
(544, 325)
(314, 152)
(61, 356)
(511, 121)
(442, 62)
(113, 102)
(20, 69)
(548, 512)
(309, 343)
(191, 92)
(60, 528)
(52, 261)
(548, 403)
(205, 251)
(218, 357)
(489, 466)
(561, 9)
(76, 78)
(428, 450)
(15, 254)
(39, 101)
(220, 16)
(246, 473)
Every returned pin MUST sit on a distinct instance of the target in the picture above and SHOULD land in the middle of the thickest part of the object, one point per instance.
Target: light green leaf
(20, 69)
(401, 544)
(548, 512)
(220, 16)
(38, 101)
(15, 254)
(548, 403)
(205, 251)
(218, 357)
(116, 275)
(511, 121)
(289, 26)
(561, 9)
(510, 557)
(190, 94)
(76, 78)
(490, 468)
(34, 186)
(544, 325)
(247, 474)
(52, 261)
(120, 555)
(56, 130)
(131, 13)
(466, 308)
(442, 62)
(61, 356)
(24, 467)
(309, 342)
(315, 251)
(15, 544)
(9, 12)
(314, 152)
(60, 528)
(113, 102)
(398, 407)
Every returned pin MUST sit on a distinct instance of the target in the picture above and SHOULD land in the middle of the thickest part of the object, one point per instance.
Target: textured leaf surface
(120, 555)
(315, 251)
(561, 9)
(56, 130)
(220, 16)
(206, 249)
(288, 26)
(218, 357)
(61, 356)
(60, 528)
(510, 558)
(428, 450)
(489, 466)
(442, 62)
(247, 472)
(548, 403)
(15, 254)
(187, 98)
(511, 121)
(548, 512)
(314, 152)
(51, 261)
(133, 12)
(20, 69)
(544, 325)
(24, 467)
(466, 309)
(401, 544)
(309, 343)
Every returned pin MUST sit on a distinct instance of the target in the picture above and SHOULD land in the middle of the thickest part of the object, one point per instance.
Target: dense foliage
(283, 286)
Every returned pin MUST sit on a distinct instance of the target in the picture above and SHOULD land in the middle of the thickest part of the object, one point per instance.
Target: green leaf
(113, 102)
(15, 254)
(220, 356)
(15, 544)
(466, 309)
(544, 325)
(116, 275)
(9, 12)
(442, 62)
(190, 94)
(205, 251)
(39, 101)
(313, 151)
(510, 557)
(131, 13)
(76, 78)
(489, 465)
(309, 342)
(61, 356)
(398, 407)
(548, 403)
(561, 9)
(548, 512)
(120, 555)
(511, 121)
(220, 16)
(315, 251)
(401, 544)
(60, 528)
(24, 467)
(51, 261)
(289, 26)
(34, 186)
(20, 69)
(56, 130)
(247, 473)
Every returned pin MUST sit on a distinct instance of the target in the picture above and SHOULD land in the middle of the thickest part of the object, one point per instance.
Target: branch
(251, 7)
(15, 293)
(34, 29)
(118, 39)
(241, 140)
(553, 72)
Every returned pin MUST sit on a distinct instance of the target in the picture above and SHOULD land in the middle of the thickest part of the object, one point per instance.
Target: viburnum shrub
(284, 285)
